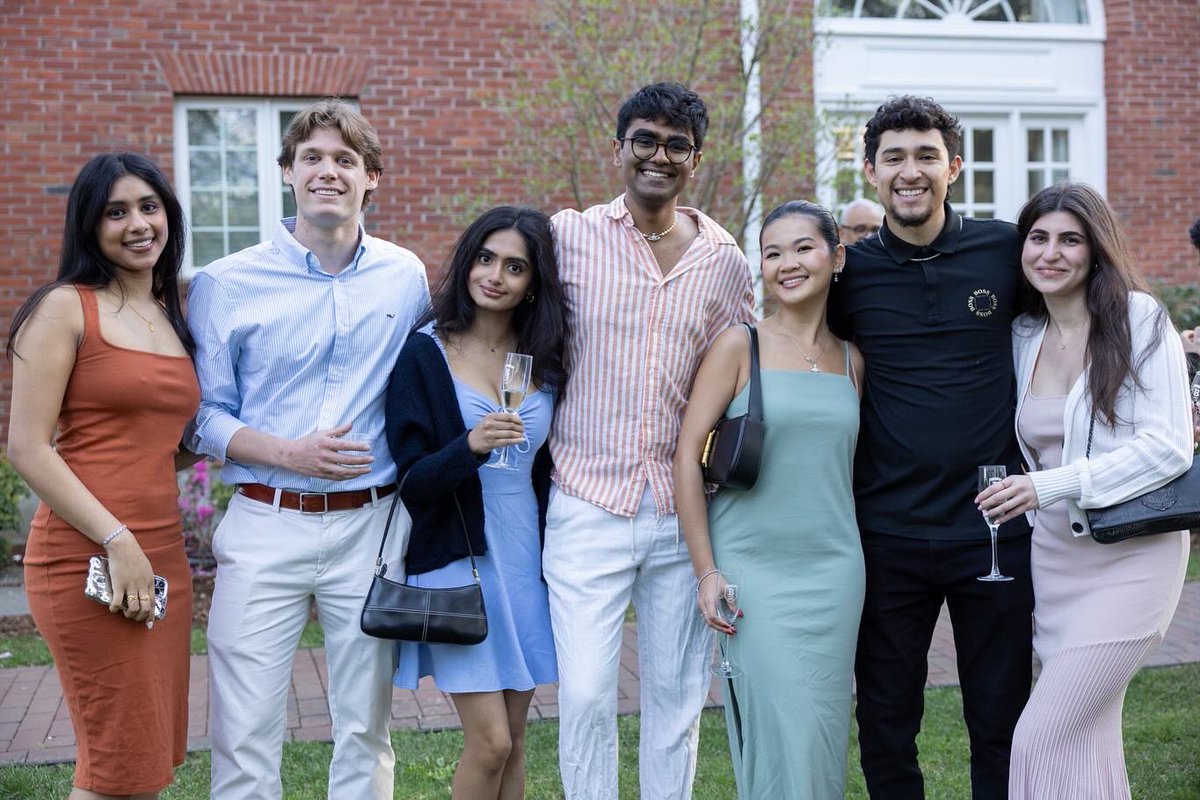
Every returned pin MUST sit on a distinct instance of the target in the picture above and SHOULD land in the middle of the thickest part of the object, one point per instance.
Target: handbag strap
(381, 567)
(1091, 427)
(755, 407)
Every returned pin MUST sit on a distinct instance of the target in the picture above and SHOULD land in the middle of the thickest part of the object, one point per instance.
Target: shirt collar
(618, 211)
(945, 243)
(296, 253)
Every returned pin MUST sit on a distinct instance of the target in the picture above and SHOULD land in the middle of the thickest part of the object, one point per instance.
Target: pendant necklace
(1062, 342)
(654, 237)
(811, 361)
(134, 310)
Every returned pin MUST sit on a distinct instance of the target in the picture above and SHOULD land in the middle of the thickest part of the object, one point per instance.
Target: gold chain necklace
(811, 361)
(1062, 342)
(654, 237)
(150, 324)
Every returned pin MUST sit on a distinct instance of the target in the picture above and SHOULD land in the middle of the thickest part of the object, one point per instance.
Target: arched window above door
(1062, 12)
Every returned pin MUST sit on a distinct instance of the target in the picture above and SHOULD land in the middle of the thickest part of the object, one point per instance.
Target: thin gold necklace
(150, 324)
(1062, 342)
(811, 361)
(654, 237)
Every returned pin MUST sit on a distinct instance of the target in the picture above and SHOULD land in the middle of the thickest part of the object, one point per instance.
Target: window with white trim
(974, 193)
(229, 183)
(1069, 12)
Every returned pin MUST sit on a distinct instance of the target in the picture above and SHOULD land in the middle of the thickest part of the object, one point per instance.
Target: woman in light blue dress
(501, 294)
(790, 543)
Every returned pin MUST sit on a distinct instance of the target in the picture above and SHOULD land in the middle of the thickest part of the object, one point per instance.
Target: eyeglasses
(645, 148)
(861, 229)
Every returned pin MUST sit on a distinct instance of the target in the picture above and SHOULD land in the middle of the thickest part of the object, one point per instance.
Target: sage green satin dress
(794, 543)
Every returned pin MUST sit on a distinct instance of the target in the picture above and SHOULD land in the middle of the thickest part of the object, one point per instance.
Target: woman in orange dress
(103, 356)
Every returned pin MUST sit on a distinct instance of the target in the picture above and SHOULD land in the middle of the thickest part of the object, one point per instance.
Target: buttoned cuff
(214, 438)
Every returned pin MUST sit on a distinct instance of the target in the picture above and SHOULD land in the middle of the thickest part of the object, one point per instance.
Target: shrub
(12, 491)
(197, 514)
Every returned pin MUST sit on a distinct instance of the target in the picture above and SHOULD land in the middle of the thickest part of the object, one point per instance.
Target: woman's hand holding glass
(714, 590)
(1007, 499)
(494, 431)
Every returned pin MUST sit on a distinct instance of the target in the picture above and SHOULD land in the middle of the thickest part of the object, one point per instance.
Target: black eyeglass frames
(644, 148)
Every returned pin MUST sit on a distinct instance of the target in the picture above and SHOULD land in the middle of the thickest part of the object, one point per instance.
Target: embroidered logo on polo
(983, 302)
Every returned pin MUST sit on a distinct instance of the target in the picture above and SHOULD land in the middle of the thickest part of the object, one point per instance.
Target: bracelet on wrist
(700, 580)
(108, 539)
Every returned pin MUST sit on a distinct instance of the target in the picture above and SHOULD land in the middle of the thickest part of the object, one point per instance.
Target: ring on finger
(129, 598)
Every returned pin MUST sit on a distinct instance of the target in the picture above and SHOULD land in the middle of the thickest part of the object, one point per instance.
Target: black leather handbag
(733, 451)
(412, 614)
(1172, 507)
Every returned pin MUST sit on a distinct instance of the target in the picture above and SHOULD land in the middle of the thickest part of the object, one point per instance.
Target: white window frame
(268, 138)
(1092, 30)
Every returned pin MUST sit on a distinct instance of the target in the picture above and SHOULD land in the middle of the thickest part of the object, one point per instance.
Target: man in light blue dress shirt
(295, 340)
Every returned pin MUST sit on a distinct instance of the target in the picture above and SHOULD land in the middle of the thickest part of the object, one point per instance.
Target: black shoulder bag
(1174, 506)
(733, 450)
(412, 614)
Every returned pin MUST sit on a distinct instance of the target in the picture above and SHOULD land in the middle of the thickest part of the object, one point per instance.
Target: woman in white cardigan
(1096, 358)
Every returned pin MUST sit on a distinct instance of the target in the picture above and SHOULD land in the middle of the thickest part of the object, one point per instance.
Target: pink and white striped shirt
(637, 339)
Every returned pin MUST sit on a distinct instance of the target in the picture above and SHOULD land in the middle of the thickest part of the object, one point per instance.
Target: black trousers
(907, 581)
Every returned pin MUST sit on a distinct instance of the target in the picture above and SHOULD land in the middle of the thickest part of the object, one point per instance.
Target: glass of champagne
(514, 383)
(989, 475)
(727, 611)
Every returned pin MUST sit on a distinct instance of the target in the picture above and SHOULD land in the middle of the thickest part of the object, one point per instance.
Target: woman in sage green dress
(791, 540)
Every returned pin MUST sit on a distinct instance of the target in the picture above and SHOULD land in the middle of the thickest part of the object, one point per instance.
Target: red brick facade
(1152, 78)
(79, 78)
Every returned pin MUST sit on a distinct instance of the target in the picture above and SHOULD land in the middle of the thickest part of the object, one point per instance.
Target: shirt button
(1077, 527)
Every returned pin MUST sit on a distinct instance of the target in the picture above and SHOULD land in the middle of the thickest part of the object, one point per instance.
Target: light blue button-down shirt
(287, 348)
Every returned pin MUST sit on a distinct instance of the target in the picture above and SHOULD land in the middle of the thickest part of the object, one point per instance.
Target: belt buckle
(324, 503)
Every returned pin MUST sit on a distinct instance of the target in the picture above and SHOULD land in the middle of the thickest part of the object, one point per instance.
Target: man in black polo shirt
(930, 301)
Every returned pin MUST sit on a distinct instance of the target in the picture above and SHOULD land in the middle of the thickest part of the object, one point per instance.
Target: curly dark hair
(1113, 276)
(909, 113)
(1194, 233)
(541, 325)
(669, 103)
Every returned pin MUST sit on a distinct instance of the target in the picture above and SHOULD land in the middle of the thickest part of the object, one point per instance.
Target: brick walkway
(35, 728)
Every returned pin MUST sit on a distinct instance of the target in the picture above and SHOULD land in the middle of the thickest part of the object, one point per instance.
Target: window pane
(981, 138)
(1059, 175)
(243, 208)
(202, 128)
(205, 168)
(1035, 148)
(206, 209)
(1036, 182)
(1059, 145)
(984, 187)
(289, 202)
(239, 127)
(957, 194)
(241, 168)
(240, 240)
(980, 214)
(207, 247)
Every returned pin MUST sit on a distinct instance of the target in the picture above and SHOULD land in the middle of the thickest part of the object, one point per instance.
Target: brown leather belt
(313, 502)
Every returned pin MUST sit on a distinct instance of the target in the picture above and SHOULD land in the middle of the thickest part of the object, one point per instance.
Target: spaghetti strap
(850, 373)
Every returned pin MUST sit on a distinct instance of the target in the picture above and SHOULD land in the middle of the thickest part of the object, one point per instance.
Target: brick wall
(79, 78)
(1152, 71)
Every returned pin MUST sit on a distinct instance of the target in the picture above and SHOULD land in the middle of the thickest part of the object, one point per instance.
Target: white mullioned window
(229, 184)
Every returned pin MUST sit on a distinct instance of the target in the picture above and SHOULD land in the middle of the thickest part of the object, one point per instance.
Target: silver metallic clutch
(99, 588)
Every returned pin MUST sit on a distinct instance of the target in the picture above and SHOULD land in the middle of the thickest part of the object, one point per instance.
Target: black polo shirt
(934, 325)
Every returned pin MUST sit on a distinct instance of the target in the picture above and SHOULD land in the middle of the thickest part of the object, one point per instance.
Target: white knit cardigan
(1152, 441)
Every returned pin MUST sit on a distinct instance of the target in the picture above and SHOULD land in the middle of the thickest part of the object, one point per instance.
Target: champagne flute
(514, 383)
(990, 475)
(727, 612)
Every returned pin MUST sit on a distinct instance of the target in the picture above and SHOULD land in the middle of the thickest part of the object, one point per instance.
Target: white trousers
(595, 562)
(270, 564)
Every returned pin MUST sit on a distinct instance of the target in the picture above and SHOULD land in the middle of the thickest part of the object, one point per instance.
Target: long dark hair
(541, 325)
(81, 261)
(1114, 274)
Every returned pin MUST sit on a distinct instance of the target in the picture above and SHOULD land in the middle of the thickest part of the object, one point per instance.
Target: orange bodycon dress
(126, 687)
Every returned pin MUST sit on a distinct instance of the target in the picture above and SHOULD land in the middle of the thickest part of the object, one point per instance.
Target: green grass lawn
(1162, 730)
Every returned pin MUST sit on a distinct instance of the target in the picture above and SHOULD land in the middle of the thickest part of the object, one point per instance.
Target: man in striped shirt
(650, 285)
(295, 340)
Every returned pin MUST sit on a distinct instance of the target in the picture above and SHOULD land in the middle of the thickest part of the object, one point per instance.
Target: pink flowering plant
(201, 496)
